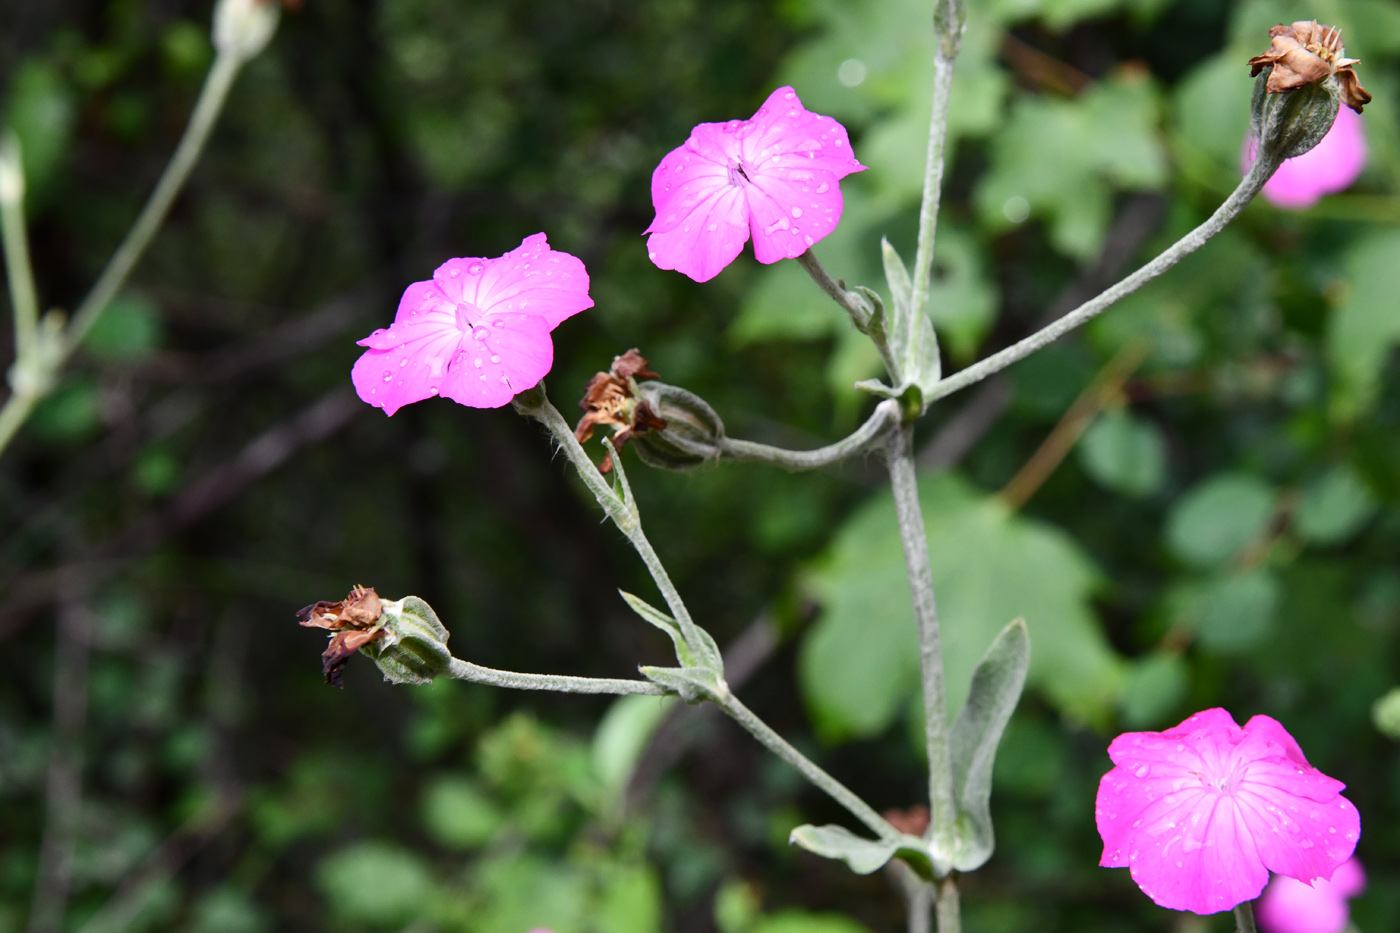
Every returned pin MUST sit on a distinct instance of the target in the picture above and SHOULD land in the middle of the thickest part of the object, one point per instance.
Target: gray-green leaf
(862, 855)
(996, 687)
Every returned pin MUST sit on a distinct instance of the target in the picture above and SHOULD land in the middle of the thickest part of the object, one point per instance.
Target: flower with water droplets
(775, 177)
(477, 332)
(1290, 906)
(1201, 813)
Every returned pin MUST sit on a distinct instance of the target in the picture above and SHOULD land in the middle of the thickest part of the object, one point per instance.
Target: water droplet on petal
(495, 359)
(797, 212)
(475, 268)
(477, 362)
(480, 332)
(388, 375)
(823, 188)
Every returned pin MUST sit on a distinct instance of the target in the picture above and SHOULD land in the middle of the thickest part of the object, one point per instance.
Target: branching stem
(865, 438)
(1259, 173)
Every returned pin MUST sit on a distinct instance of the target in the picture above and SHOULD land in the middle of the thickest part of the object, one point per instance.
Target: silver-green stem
(560, 683)
(865, 438)
(948, 22)
(948, 912)
(1258, 174)
(809, 769)
(20, 272)
(854, 303)
(942, 813)
(920, 904)
(206, 114)
(1244, 918)
(621, 510)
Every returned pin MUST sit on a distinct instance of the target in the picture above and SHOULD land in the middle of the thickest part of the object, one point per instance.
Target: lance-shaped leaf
(977, 730)
(914, 344)
(684, 653)
(861, 855)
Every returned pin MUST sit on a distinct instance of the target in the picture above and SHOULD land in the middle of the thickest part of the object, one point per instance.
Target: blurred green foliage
(1223, 533)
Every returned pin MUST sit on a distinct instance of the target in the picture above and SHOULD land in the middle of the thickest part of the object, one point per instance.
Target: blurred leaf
(977, 730)
(376, 884)
(623, 735)
(129, 329)
(69, 414)
(1385, 713)
(1334, 506)
(1230, 614)
(228, 910)
(962, 299)
(1211, 110)
(737, 907)
(1031, 759)
(858, 664)
(156, 472)
(1156, 685)
(1364, 327)
(861, 855)
(526, 893)
(801, 921)
(1213, 521)
(1125, 453)
(41, 111)
(457, 815)
(1066, 158)
(630, 901)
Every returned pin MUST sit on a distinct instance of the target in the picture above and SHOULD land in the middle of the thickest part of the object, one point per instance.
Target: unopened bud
(1288, 125)
(243, 28)
(693, 435)
(413, 649)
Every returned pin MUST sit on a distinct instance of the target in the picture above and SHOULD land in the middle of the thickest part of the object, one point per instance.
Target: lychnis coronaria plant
(1200, 814)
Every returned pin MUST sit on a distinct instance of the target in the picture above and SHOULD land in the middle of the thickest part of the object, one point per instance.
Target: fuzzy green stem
(948, 21)
(942, 810)
(854, 303)
(1244, 918)
(809, 769)
(948, 913)
(206, 114)
(560, 683)
(1259, 173)
(20, 272)
(863, 439)
(618, 508)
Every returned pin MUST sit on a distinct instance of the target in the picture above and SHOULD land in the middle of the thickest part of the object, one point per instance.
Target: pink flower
(1290, 906)
(1201, 813)
(1330, 166)
(477, 333)
(776, 176)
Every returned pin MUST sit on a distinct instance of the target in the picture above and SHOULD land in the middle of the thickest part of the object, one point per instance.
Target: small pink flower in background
(1290, 906)
(1201, 813)
(1330, 166)
(775, 177)
(477, 333)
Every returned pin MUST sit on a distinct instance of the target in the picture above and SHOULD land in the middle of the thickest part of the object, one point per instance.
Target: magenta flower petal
(775, 177)
(477, 333)
(1330, 166)
(1290, 906)
(1202, 812)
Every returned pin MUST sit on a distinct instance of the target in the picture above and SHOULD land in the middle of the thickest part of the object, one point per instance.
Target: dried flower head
(612, 398)
(355, 622)
(1306, 52)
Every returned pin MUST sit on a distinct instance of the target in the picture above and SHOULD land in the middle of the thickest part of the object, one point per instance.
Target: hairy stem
(809, 769)
(206, 114)
(20, 272)
(1258, 174)
(942, 814)
(560, 683)
(623, 514)
(1244, 918)
(862, 440)
(949, 912)
(854, 303)
(948, 20)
